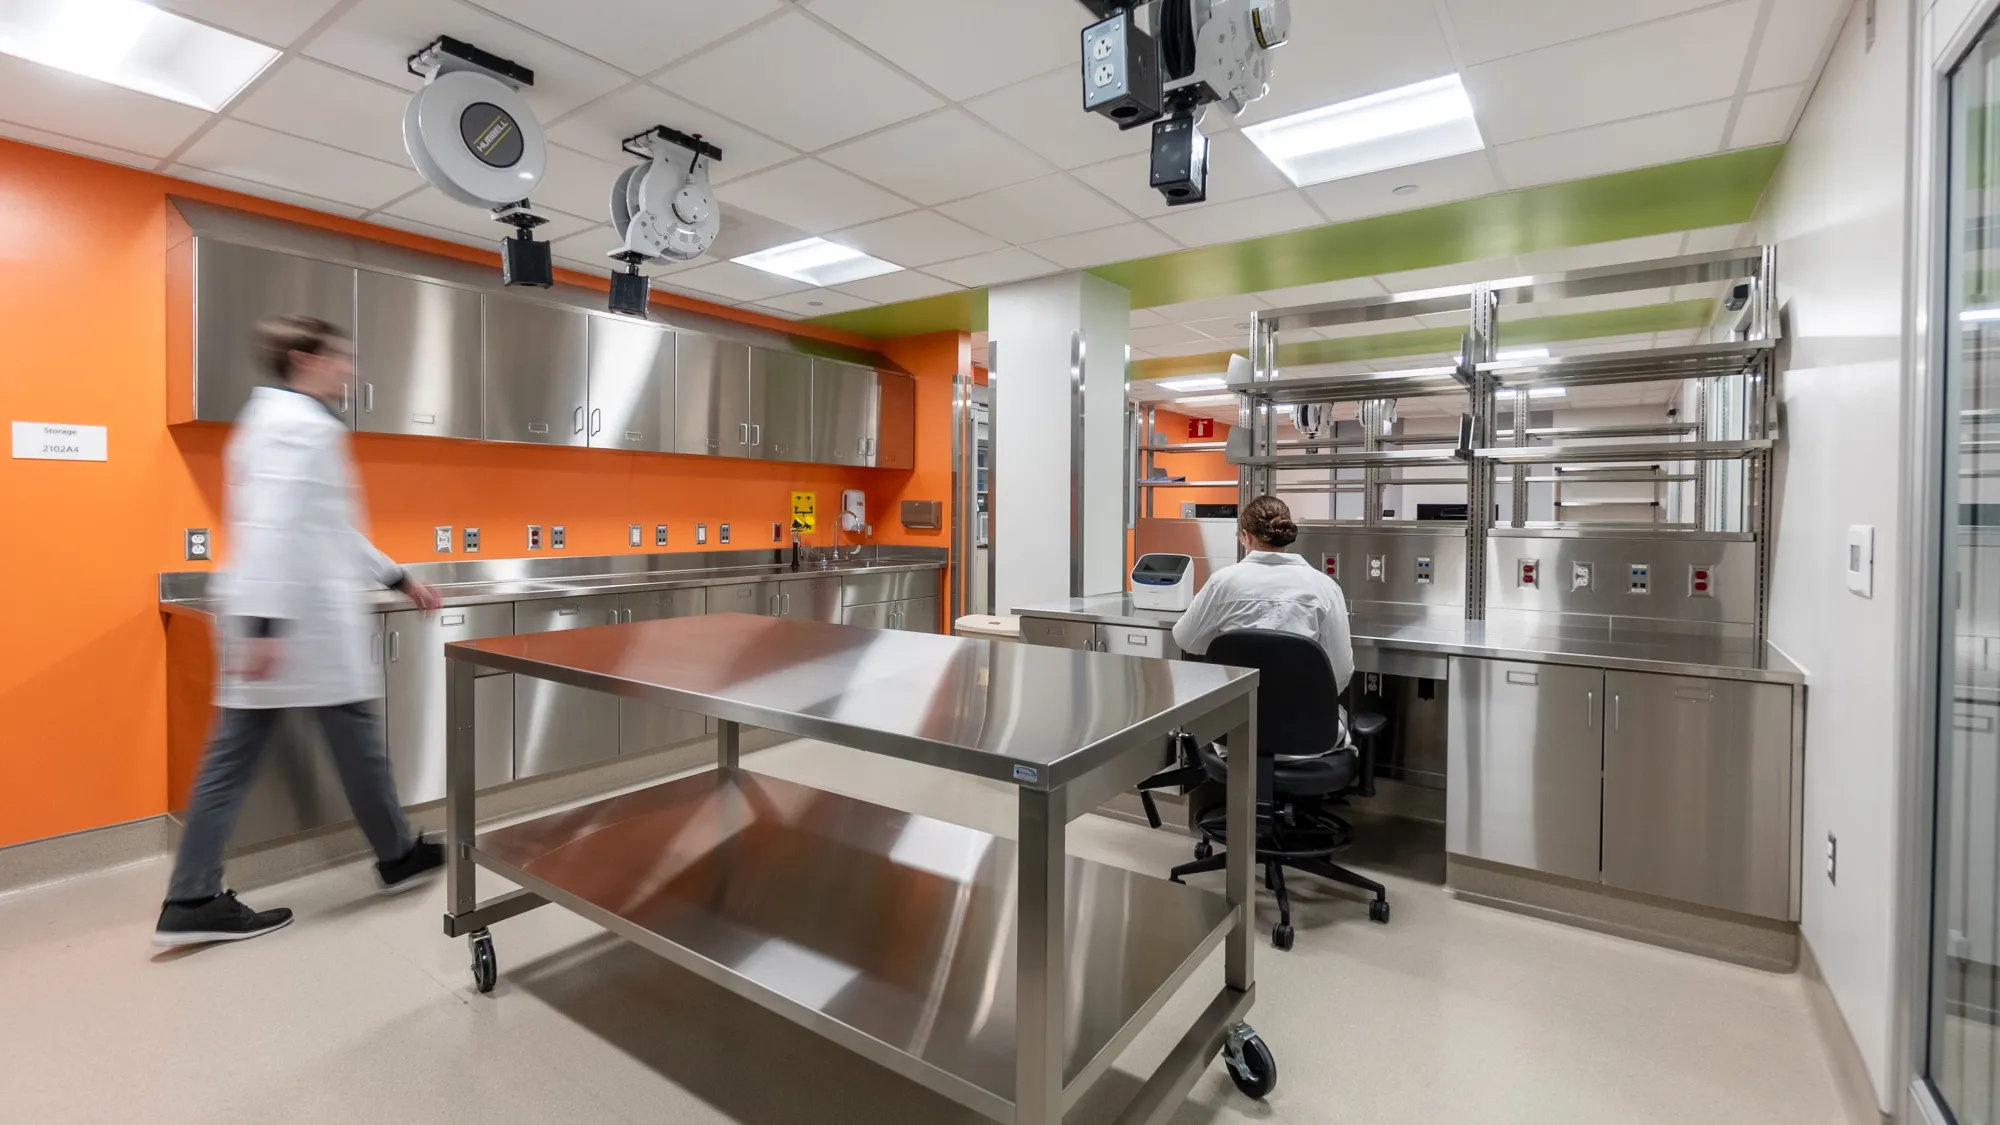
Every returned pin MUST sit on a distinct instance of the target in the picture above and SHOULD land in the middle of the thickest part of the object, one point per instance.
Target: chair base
(1291, 837)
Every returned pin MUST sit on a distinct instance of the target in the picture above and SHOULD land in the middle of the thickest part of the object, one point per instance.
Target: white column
(1034, 327)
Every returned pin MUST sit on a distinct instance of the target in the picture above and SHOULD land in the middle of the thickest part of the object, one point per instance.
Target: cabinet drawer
(866, 589)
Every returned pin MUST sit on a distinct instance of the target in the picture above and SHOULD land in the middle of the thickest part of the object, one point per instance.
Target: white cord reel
(664, 209)
(469, 130)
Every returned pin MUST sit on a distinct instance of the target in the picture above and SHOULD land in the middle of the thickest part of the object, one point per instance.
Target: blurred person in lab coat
(291, 623)
(1270, 589)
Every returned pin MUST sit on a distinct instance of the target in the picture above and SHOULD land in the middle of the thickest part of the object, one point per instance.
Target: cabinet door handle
(395, 646)
(788, 603)
(343, 397)
(1617, 711)
(375, 649)
(596, 422)
(368, 398)
(577, 420)
(774, 605)
(743, 433)
(1590, 708)
(756, 433)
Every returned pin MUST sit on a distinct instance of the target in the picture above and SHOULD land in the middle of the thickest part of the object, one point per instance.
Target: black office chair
(1304, 765)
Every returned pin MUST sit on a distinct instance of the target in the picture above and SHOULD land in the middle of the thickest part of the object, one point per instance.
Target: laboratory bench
(1660, 759)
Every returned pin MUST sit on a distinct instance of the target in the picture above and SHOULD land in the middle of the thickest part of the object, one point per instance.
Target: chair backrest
(1298, 699)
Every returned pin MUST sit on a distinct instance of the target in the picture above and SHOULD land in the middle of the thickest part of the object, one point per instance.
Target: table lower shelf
(891, 933)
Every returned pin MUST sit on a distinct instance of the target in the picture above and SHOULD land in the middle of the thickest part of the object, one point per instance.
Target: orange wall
(83, 320)
(1210, 465)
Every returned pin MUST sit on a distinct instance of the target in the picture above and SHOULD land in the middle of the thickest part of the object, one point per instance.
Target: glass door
(1963, 1057)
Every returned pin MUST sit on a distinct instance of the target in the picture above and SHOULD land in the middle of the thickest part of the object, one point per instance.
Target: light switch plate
(441, 540)
(469, 540)
(700, 534)
(637, 536)
(197, 544)
(556, 537)
(1861, 559)
(659, 535)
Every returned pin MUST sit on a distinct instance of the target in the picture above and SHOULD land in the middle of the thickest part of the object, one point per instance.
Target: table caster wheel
(1203, 849)
(1378, 912)
(485, 966)
(1250, 1063)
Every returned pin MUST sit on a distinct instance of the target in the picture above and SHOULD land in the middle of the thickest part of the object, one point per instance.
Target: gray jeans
(229, 765)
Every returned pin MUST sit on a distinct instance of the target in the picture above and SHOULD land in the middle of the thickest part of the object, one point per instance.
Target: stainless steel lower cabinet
(1525, 762)
(911, 615)
(808, 599)
(1058, 634)
(413, 707)
(1128, 640)
(1698, 790)
(645, 726)
(558, 727)
(874, 616)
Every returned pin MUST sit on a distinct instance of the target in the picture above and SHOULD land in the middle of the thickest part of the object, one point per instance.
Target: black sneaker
(426, 858)
(222, 918)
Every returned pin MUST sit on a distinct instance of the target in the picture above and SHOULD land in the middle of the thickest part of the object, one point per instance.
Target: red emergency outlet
(1701, 582)
(1330, 564)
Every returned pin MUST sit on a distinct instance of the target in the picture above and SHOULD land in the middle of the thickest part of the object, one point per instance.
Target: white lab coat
(1271, 590)
(297, 556)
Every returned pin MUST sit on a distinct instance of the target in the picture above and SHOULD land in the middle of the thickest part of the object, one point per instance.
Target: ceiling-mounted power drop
(664, 209)
(473, 137)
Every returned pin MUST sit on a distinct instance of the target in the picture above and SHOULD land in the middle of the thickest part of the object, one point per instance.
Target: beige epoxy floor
(363, 1012)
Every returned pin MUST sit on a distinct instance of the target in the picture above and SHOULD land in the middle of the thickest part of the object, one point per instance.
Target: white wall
(1837, 210)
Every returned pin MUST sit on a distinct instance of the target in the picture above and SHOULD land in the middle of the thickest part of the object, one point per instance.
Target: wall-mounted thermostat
(1861, 559)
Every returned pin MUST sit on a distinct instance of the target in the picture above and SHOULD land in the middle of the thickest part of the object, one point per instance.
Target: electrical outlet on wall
(470, 538)
(659, 535)
(700, 534)
(1832, 859)
(197, 544)
(722, 534)
(556, 537)
(777, 532)
(637, 536)
(441, 540)
(534, 537)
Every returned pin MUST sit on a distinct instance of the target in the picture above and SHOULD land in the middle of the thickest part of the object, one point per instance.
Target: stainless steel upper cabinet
(631, 385)
(416, 353)
(537, 387)
(894, 443)
(844, 405)
(237, 286)
(711, 396)
(781, 417)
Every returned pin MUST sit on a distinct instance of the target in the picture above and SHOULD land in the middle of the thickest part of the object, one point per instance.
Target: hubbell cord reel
(474, 138)
(663, 209)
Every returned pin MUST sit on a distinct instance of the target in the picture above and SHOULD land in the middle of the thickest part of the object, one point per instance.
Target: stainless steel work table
(1005, 975)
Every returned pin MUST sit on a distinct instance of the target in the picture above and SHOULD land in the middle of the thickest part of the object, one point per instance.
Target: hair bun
(1281, 531)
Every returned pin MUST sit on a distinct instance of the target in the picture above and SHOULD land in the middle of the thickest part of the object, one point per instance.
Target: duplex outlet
(1581, 575)
(700, 534)
(777, 532)
(196, 543)
(441, 540)
(534, 537)
(1528, 573)
(1378, 568)
(636, 536)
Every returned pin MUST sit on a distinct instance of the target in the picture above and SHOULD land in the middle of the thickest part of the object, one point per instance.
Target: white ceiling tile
(377, 37)
(640, 36)
(57, 101)
(1346, 289)
(815, 302)
(1046, 114)
(1675, 135)
(1766, 118)
(917, 239)
(963, 48)
(1436, 181)
(903, 285)
(430, 207)
(1102, 247)
(60, 143)
(1492, 29)
(1795, 40)
(1143, 318)
(737, 283)
(262, 191)
(1228, 329)
(259, 155)
(322, 103)
(1052, 206)
(1342, 49)
(746, 232)
(1208, 308)
(1205, 224)
(277, 22)
(599, 128)
(811, 196)
(577, 184)
(1161, 335)
(1682, 61)
(997, 267)
(947, 155)
(1597, 254)
(1236, 170)
(794, 80)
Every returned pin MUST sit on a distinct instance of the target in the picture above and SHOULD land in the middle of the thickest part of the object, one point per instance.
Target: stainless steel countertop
(974, 706)
(1619, 643)
(540, 589)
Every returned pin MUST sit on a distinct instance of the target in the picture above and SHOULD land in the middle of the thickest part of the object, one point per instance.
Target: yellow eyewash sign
(804, 506)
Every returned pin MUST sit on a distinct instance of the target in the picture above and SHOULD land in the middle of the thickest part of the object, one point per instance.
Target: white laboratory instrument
(1163, 582)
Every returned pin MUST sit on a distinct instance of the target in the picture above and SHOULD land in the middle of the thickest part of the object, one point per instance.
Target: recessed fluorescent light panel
(1408, 125)
(134, 45)
(1198, 383)
(816, 261)
(1201, 400)
(1533, 392)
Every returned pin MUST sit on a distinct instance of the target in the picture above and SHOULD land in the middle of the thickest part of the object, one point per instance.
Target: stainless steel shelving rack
(1740, 343)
